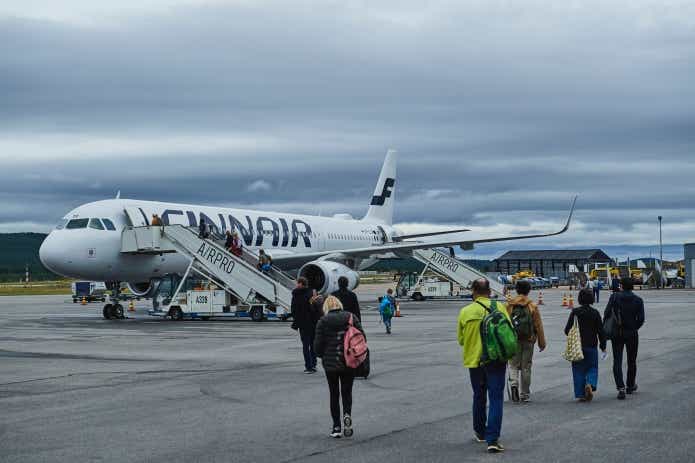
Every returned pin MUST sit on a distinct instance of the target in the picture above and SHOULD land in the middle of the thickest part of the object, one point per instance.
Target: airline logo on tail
(385, 193)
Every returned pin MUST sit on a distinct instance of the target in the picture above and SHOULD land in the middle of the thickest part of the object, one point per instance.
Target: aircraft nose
(49, 254)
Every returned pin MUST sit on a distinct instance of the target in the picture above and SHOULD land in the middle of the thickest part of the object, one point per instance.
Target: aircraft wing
(404, 247)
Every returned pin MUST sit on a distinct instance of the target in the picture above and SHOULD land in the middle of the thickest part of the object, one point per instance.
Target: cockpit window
(108, 224)
(61, 224)
(77, 223)
(96, 224)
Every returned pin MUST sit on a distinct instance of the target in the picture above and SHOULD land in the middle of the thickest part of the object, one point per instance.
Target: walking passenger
(329, 345)
(156, 221)
(236, 247)
(264, 261)
(304, 319)
(527, 322)
(203, 230)
(228, 241)
(628, 310)
(347, 298)
(595, 286)
(585, 372)
(487, 380)
(387, 308)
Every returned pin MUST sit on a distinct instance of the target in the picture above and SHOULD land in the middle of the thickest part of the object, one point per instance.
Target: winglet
(569, 218)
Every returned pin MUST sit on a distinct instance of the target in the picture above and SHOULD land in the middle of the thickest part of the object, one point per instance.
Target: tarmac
(75, 387)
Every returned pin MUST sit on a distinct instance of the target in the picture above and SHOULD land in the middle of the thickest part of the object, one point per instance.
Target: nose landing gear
(114, 311)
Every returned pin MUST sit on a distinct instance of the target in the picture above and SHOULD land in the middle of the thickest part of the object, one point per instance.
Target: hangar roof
(557, 254)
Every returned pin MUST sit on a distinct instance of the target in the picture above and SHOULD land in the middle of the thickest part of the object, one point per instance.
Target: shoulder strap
(484, 307)
(350, 319)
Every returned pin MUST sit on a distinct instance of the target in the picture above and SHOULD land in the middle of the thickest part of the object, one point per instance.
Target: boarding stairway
(236, 275)
(453, 269)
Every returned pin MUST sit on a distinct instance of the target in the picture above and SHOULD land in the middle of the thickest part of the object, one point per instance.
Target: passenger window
(108, 224)
(95, 224)
(77, 223)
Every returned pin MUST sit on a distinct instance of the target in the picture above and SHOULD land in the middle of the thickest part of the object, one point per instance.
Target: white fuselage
(91, 249)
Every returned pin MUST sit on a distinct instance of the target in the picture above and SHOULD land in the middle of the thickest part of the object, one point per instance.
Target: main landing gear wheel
(176, 314)
(256, 314)
(117, 311)
(108, 311)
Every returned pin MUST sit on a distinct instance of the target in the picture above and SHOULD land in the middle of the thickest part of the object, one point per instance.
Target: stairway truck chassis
(204, 304)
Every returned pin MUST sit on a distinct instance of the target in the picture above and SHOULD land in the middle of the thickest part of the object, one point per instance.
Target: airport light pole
(661, 254)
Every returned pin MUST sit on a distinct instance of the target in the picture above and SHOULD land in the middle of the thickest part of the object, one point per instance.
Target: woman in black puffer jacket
(328, 345)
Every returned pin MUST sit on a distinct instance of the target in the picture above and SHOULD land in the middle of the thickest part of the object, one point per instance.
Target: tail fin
(381, 207)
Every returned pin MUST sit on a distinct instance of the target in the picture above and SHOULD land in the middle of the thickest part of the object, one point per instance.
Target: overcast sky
(500, 110)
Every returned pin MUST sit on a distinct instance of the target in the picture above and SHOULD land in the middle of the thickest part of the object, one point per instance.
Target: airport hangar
(544, 263)
(549, 263)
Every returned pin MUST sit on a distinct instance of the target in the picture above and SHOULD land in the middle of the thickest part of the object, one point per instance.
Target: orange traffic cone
(131, 306)
(398, 310)
(571, 303)
(540, 298)
(564, 299)
(84, 300)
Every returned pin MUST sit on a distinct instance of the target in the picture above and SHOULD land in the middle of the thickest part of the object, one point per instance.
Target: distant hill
(18, 250)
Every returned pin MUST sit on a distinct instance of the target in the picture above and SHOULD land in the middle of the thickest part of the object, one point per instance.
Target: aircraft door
(136, 216)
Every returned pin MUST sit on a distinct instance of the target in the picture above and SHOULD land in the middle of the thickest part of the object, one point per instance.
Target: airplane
(86, 244)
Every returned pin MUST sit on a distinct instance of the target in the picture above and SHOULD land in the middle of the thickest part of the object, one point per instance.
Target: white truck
(419, 288)
(208, 303)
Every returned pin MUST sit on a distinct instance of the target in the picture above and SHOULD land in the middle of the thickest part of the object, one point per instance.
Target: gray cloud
(500, 112)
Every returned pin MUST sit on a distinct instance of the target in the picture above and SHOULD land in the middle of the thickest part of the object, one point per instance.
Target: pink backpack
(355, 346)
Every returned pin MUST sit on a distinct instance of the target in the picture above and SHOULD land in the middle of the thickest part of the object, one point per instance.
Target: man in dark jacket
(348, 298)
(304, 319)
(628, 309)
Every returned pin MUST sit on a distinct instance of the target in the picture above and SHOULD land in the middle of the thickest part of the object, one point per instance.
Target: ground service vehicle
(208, 303)
(414, 286)
(90, 291)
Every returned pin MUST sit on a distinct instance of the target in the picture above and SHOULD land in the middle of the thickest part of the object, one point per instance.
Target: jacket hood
(336, 319)
(519, 300)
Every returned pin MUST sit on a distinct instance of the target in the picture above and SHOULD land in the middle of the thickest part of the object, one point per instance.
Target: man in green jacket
(486, 380)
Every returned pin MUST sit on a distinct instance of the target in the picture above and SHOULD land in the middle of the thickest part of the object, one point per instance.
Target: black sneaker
(309, 371)
(478, 438)
(515, 394)
(631, 390)
(495, 447)
(347, 426)
(336, 434)
(621, 394)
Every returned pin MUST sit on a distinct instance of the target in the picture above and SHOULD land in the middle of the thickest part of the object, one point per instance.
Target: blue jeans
(585, 372)
(597, 291)
(387, 321)
(307, 336)
(488, 381)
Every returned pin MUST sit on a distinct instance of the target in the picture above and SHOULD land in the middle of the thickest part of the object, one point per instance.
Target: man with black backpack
(488, 339)
(623, 317)
(526, 319)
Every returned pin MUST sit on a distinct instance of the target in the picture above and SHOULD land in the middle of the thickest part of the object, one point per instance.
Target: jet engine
(323, 275)
(146, 289)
